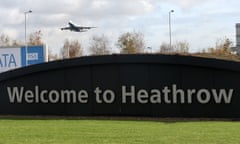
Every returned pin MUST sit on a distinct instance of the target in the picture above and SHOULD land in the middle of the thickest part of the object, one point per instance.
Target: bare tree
(181, 47)
(99, 45)
(16, 43)
(131, 43)
(223, 47)
(51, 56)
(64, 52)
(71, 49)
(4, 40)
(164, 48)
(178, 47)
(35, 38)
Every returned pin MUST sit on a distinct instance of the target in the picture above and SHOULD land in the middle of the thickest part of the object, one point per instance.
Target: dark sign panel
(124, 85)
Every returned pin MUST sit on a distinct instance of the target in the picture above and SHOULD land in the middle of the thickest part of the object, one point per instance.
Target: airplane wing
(65, 28)
(86, 27)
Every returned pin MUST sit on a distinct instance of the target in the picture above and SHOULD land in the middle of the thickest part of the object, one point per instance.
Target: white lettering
(32, 56)
(83, 96)
(178, 92)
(166, 91)
(70, 95)
(36, 94)
(222, 96)
(29, 96)
(190, 93)
(156, 96)
(111, 96)
(130, 94)
(201, 93)
(44, 92)
(14, 93)
(53, 96)
(19, 95)
(97, 92)
(142, 96)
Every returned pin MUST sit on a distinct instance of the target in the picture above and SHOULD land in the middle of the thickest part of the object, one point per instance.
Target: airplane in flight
(76, 28)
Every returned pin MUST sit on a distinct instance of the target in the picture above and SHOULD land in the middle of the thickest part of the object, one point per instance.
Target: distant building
(237, 48)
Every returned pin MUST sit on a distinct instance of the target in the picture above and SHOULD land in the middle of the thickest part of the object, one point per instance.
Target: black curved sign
(124, 85)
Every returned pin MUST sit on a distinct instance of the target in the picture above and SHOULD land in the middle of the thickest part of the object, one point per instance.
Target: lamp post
(170, 30)
(26, 46)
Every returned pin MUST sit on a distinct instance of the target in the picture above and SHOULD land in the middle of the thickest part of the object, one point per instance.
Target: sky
(201, 23)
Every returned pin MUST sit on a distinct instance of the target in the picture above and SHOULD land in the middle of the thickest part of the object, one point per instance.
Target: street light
(170, 32)
(26, 47)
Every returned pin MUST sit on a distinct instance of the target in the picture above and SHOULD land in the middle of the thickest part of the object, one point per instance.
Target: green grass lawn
(82, 131)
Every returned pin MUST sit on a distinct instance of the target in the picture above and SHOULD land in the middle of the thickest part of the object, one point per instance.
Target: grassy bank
(73, 131)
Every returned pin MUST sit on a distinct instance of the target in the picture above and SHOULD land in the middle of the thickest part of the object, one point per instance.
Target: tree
(223, 47)
(4, 40)
(131, 43)
(16, 43)
(65, 50)
(178, 47)
(71, 49)
(164, 48)
(226, 46)
(51, 56)
(99, 45)
(35, 38)
(181, 47)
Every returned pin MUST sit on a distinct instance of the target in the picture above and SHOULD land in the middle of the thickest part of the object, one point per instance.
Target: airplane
(76, 28)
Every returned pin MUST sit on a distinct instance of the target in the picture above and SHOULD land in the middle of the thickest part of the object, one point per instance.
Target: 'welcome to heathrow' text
(129, 94)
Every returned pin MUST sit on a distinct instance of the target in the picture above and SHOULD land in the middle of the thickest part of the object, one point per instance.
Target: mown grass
(89, 131)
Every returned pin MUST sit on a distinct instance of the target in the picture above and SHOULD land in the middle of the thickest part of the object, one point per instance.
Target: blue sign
(35, 55)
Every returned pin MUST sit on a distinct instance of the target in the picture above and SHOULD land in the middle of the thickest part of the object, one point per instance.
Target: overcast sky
(199, 22)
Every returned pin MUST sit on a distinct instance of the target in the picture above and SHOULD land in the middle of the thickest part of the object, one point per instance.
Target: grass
(83, 131)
